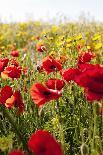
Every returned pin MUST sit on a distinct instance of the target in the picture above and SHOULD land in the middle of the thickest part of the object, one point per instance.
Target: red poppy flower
(70, 74)
(85, 57)
(92, 81)
(10, 98)
(10, 102)
(5, 93)
(16, 152)
(18, 101)
(40, 94)
(15, 53)
(43, 143)
(51, 65)
(12, 72)
(55, 84)
(85, 67)
(3, 63)
(40, 47)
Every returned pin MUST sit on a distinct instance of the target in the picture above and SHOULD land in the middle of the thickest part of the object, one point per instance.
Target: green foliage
(71, 119)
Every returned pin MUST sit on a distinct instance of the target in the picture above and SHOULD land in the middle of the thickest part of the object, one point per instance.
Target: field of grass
(73, 114)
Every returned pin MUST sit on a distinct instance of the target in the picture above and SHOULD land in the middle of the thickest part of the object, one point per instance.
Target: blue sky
(20, 10)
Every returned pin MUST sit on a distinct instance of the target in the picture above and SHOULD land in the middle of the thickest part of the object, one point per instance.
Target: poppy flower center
(42, 149)
(52, 67)
(47, 93)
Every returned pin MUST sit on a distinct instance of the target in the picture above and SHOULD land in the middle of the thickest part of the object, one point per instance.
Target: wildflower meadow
(51, 88)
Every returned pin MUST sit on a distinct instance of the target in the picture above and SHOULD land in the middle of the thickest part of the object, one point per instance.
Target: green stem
(20, 137)
(58, 115)
(95, 125)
